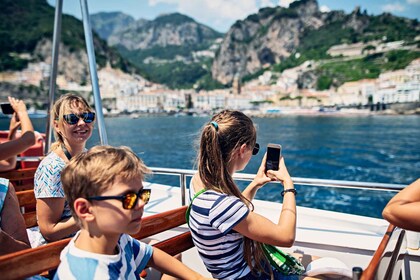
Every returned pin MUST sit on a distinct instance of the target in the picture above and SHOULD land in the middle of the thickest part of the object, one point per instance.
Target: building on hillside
(355, 93)
(346, 49)
(399, 86)
(210, 100)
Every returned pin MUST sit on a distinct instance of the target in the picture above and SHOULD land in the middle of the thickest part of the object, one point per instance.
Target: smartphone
(7, 109)
(273, 157)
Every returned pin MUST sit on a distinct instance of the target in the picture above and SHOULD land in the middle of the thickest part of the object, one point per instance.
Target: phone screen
(7, 109)
(273, 157)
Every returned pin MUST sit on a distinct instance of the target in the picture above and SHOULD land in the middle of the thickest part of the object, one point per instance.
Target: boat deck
(349, 238)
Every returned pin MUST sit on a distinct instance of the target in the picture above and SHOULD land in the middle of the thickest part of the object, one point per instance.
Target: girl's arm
(261, 229)
(49, 212)
(167, 264)
(260, 180)
(403, 209)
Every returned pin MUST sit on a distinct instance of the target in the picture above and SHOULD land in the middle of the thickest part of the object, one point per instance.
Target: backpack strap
(187, 213)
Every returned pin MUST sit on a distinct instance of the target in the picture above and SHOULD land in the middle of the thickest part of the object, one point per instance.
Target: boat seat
(27, 203)
(387, 261)
(38, 260)
(22, 179)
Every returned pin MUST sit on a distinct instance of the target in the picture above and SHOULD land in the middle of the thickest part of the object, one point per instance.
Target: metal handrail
(183, 173)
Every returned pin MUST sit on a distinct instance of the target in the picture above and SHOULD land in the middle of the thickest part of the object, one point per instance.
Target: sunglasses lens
(71, 119)
(256, 149)
(88, 117)
(145, 195)
(130, 200)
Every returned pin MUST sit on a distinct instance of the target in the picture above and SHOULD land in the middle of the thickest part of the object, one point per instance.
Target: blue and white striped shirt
(212, 218)
(78, 264)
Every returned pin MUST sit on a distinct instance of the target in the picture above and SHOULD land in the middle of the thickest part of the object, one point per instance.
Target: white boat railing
(184, 173)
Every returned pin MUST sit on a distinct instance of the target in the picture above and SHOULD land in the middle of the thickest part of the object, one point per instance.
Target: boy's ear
(82, 208)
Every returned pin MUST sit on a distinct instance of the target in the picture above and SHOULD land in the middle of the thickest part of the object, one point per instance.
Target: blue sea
(384, 149)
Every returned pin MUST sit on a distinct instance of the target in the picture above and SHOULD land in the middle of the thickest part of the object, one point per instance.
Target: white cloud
(219, 14)
(415, 2)
(155, 2)
(324, 9)
(285, 3)
(395, 7)
(266, 3)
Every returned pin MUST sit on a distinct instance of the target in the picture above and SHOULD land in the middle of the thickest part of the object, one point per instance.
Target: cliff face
(166, 30)
(264, 39)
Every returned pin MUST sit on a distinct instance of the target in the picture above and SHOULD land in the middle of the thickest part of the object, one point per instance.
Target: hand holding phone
(273, 157)
(7, 109)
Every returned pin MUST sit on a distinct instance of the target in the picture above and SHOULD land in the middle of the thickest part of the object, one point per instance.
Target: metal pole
(93, 74)
(53, 70)
(183, 185)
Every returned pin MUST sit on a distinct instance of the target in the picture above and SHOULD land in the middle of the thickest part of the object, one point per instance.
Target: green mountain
(165, 48)
(280, 38)
(26, 23)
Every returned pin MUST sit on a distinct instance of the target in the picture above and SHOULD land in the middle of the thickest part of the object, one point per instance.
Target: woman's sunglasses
(73, 119)
(129, 200)
(256, 149)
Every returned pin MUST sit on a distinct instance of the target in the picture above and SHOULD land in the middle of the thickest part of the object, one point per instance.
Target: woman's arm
(261, 229)
(167, 264)
(13, 235)
(403, 209)
(49, 211)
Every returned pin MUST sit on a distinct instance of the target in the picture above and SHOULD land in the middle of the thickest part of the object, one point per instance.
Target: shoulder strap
(66, 152)
(187, 214)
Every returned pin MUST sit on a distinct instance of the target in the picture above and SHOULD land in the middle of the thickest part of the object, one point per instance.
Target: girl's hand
(261, 178)
(281, 175)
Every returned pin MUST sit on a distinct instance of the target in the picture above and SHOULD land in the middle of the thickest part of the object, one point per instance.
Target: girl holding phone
(225, 230)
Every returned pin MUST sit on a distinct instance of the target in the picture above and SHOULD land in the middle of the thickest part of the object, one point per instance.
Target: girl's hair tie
(216, 126)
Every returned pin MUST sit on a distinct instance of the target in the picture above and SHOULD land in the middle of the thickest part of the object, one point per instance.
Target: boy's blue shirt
(132, 258)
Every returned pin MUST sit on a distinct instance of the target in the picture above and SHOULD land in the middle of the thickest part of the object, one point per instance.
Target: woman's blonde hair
(220, 139)
(62, 106)
(91, 173)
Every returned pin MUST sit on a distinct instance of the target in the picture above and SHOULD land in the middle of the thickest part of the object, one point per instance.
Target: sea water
(382, 149)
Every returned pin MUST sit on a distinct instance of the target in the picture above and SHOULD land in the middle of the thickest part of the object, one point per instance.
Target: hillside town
(270, 94)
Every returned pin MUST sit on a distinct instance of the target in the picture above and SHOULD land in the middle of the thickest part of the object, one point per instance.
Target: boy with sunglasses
(105, 192)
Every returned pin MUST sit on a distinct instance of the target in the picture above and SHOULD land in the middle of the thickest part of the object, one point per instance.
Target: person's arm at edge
(403, 209)
(14, 147)
(167, 264)
(13, 236)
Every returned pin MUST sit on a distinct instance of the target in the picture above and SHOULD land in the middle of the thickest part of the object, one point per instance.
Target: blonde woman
(73, 120)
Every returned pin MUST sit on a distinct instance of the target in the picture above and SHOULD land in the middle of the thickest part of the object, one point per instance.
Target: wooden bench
(387, 261)
(35, 261)
(27, 203)
(22, 179)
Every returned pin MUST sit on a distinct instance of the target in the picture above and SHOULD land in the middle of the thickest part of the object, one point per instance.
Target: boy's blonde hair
(91, 173)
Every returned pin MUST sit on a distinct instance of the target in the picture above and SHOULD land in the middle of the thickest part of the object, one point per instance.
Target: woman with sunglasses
(73, 121)
(224, 228)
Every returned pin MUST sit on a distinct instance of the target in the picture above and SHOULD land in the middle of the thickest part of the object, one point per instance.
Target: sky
(221, 14)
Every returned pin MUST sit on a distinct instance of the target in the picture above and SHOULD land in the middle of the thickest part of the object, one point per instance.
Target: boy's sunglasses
(256, 149)
(73, 119)
(129, 200)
